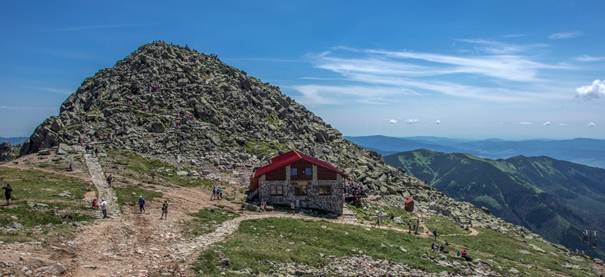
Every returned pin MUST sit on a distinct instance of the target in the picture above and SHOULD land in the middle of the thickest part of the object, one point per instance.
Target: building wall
(312, 199)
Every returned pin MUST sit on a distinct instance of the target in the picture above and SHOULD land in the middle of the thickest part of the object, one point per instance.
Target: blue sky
(467, 69)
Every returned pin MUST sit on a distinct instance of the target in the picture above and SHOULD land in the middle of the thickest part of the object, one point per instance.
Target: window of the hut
(276, 189)
(293, 171)
(325, 190)
(308, 171)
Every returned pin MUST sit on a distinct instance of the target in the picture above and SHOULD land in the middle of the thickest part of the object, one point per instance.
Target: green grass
(141, 168)
(37, 205)
(369, 213)
(504, 252)
(206, 221)
(444, 226)
(129, 195)
(264, 148)
(290, 240)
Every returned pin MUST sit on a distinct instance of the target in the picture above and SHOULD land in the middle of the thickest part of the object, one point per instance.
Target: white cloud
(593, 91)
(327, 94)
(592, 124)
(412, 121)
(437, 121)
(547, 123)
(508, 74)
(589, 58)
(525, 123)
(393, 121)
(562, 124)
(565, 35)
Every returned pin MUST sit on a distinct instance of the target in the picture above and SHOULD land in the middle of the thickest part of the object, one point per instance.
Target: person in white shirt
(104, 208)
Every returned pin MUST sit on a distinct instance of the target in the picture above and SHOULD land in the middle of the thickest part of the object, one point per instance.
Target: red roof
(288, 158)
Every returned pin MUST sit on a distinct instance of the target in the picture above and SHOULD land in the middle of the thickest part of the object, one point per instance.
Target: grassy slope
(132, 165)
(206, 221)
(33, 187)
(308, 242)
(554, 198)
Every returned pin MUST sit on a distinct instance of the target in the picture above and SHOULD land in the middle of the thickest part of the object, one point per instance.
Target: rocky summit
(174, 103)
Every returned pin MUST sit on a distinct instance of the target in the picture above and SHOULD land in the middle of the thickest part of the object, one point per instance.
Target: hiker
(466, 256)
(434, 235)
(263, 206)
(104, 208)
(109, 179)
(220, 193)
(95, 203)
(213, 193)
(8, 191)
(141, 204)
(417, 225)
(164, 210)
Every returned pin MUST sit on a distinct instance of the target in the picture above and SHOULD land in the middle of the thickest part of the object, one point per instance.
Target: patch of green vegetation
(289, 240)
(487, 201)
(42, 204)
(390, 216)
(444, 226)
(504, 252)
(133, 165)
(274, 120)
(206, 221)
(264, 148)
(129, 195)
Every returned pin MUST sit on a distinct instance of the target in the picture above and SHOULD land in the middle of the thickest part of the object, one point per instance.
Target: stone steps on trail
(98, 179)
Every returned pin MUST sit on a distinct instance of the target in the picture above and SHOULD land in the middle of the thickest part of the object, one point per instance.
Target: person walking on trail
(141, 204)
(164, 210)
(219, 190)
(213, 193)
(104, 208)
(109, 180)
(434, 235)
(8, 193)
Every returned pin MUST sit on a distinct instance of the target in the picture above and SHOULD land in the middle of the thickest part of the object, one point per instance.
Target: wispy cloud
(95, 27)
(506, 72)
(565, 35)
(588, 58)
(526, 123)
(499, 47)
(331, 94)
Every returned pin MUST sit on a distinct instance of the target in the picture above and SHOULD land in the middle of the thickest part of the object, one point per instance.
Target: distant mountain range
(13, 140)
(580, 150)
(554, 198)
